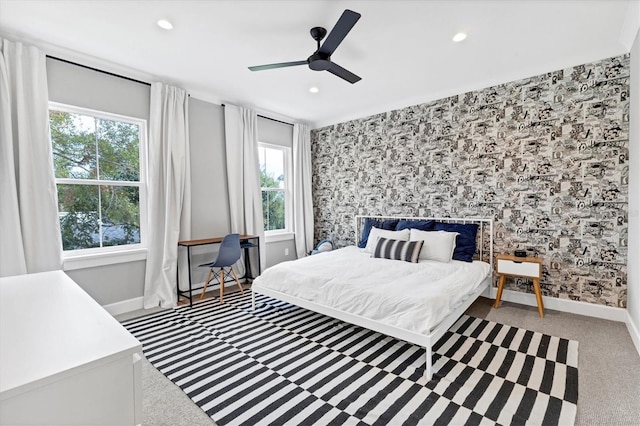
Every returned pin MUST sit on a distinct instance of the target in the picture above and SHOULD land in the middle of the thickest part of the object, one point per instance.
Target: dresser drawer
(525, 269)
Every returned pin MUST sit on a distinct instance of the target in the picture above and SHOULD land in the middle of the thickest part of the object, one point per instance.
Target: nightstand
(526, 267)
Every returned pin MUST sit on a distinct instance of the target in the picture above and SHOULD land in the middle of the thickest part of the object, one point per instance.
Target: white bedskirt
(411, 296)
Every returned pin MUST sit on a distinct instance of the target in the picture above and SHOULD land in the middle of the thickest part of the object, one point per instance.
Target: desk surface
(214, 240)
(51, 327)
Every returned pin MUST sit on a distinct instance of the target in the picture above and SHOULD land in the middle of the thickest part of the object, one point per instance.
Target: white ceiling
(401, 49)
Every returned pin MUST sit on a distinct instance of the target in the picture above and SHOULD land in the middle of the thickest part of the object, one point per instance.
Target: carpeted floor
(609, 365)
(609, 369)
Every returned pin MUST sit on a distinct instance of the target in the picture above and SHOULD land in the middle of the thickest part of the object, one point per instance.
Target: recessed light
(459, 37)
(164, 24)
(314, 89)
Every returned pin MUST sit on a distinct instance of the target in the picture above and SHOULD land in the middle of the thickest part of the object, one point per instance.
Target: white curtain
(169, 195)
(29, 227)
(243, 176)
(302, 200)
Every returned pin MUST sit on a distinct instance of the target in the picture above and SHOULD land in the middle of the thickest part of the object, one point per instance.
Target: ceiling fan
(320, 60)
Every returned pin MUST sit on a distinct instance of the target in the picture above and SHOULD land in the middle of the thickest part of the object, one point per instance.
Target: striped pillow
(409, 251)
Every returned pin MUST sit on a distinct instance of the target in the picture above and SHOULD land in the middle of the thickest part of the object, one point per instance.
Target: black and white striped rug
(286, 365)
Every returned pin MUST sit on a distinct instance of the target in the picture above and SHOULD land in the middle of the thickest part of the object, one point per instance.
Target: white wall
(633, 268)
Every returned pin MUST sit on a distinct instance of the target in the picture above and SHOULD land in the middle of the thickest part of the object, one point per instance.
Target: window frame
(287, 232)
(98, 256)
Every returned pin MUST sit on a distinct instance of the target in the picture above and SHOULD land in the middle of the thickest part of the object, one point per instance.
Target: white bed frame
(425, 340)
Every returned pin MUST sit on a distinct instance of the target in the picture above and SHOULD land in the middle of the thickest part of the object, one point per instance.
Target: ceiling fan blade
(339, 31)
(279, 65)
(344, 74)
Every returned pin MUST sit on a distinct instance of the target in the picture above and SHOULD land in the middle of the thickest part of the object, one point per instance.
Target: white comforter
(414, 297)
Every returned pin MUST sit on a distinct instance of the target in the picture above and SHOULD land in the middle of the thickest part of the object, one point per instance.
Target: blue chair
(228, 255)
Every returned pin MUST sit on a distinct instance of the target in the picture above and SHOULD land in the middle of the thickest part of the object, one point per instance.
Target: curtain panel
(169, 192)
(29, 227)
(243, 175)
(302, 199)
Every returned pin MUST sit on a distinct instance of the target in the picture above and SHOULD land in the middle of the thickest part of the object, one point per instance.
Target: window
(99, 173)
(274, 182)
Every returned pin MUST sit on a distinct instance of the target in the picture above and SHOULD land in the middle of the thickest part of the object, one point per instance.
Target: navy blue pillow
(423, 225)
(466, 241)
(388, 224)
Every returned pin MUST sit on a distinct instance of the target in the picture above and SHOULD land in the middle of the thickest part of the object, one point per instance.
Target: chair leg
(221, 284)
(233, 271)
(206, 283)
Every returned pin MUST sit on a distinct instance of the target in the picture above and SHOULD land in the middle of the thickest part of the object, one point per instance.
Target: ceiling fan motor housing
(319, 62)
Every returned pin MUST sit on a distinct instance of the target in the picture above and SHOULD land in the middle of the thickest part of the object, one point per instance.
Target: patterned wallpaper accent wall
(546, 156)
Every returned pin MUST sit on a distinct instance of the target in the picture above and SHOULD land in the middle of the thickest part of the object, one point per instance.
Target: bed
(414, 302)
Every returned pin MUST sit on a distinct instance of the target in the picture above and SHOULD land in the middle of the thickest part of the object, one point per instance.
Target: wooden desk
(246, 242)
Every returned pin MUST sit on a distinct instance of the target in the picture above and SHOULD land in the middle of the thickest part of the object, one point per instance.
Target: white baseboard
(633, 331)
(124, 306)
(137, 302)
(565, 305)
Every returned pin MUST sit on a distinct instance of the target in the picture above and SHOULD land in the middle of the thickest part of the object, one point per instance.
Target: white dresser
(63, 359)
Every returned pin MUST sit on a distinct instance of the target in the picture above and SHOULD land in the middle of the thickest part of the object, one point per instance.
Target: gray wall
(73, 85)
(210, 200)
(546, 156)
(112, 283)
(277, 133)
(78, 86)
(209, 205)
(209, 193)
(633, 293)
(276, 252)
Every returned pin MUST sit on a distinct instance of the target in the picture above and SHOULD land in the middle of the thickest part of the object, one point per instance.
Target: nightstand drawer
(525, 269)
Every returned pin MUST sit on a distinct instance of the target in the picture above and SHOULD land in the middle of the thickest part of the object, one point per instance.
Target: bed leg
(429, 366)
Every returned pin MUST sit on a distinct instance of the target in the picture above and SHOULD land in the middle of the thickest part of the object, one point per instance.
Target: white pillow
(392, 235)
(438, 245)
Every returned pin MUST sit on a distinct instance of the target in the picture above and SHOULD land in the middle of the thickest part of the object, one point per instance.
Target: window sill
(92, 260)
(280, 236)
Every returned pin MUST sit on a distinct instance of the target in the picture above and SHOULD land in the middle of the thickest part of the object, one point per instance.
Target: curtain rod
(99, 70)
(272, 119)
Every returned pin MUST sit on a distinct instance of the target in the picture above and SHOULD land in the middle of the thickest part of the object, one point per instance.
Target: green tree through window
(272, 202)
(274, 189)
(97, 168)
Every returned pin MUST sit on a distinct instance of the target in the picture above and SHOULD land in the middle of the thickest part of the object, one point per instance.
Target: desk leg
(501, 281)
(259, 264)
(189, 271)
(248, 274)
(247, 264)
(178, 277)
